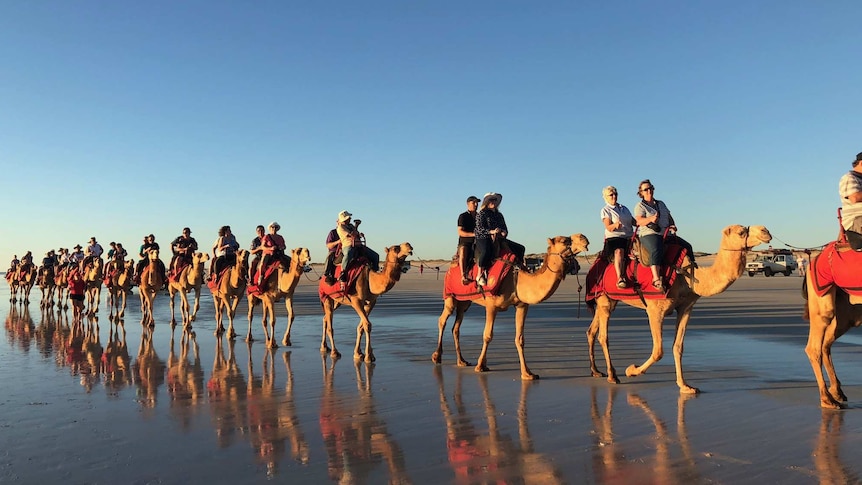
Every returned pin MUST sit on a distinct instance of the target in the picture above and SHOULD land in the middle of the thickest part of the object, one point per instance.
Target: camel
(729, 264)
(119, 287)
(151, 283)
(520, 290)
(93, 279)
(191, 278)
(14, 285)
(369, 286)
(26, 280)
(46, 286)
(227, 294)
(61, 286)
(278, 287)
(830, 316)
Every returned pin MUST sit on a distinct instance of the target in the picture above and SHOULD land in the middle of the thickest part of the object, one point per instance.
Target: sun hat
(276, 225)
(78, 246)
(490, 196)
(344, 215)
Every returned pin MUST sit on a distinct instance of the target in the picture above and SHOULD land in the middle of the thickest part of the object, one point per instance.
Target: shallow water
(106, 403)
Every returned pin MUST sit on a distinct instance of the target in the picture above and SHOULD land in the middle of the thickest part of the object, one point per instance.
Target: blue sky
(124, 118)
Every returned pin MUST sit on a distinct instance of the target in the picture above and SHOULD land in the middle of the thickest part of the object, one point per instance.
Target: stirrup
(621, 283)
(659, 284)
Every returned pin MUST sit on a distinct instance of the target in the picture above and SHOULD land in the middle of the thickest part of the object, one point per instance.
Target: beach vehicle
(779, 261)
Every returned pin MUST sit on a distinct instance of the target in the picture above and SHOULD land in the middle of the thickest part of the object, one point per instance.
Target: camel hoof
(152, 324)
(631, 371)
(273, 345)
(832, 405)
(193, 318)
(688, 390)
(286, 342)
(358, 356)
(370, 358)
(324, 349)
(232, 336)
(530, 377)
(436, 358)
(249, 338)
(218, 331)
(597, 373)
(335, 355)
(481, 368)
(464, 363)
(613, 380)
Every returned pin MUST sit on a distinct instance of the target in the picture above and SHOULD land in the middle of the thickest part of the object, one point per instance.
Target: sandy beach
(105, 404)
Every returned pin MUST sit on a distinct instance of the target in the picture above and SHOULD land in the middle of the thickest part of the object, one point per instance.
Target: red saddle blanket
(838, 265)
(213, 283)
(498, 271)
(339, 289)
(253, 288)
(174, 276)
(602, 277)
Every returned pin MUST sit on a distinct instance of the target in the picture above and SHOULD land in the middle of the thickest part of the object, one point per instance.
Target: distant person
(850, 190)
(94, 250)
(619, 228)
(224, 250)
(76, 291)
(183, 248)
(13, 265)
(273, 249)
(800, 265)
(466, 237)
(352, 246)
(256, 251)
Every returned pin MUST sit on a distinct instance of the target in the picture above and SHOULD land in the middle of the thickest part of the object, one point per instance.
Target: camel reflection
(45, 333)
(226, 389)
(490, 456)
(356, 438)
(185, 378)
(611, 462)
(148, 371)
(272, 422)
(827, 454)
(116, 368)
(92, 350)
(19, 327)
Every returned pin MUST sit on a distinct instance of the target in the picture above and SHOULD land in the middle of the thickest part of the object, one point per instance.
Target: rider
(13, 265)
(77, 256)
(224, 251)
(466, 238)
(492, 235)
(351, 244)
(94, 250)
(273, 247)
(333, 246)
(48, 262)
(183, 247)
(255, 249)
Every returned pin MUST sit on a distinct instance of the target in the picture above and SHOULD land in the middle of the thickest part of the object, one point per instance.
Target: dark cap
(473, 198)
(858, 159)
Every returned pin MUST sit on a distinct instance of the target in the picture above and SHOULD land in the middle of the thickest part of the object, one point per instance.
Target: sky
(121, 119)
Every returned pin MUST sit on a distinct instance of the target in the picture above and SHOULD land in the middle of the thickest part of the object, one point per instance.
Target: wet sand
(104, 403)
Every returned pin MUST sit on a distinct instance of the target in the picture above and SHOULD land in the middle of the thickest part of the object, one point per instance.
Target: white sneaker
(481, 280)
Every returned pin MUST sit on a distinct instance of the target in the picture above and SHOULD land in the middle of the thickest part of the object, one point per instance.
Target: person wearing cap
(466, 237)
(256, 251)
(619, 228)
(272, 247)
(224, 251)
(183, 248)
(492, 236)
(333, 248)
(850, 190)
(653, 220)
(351, 244)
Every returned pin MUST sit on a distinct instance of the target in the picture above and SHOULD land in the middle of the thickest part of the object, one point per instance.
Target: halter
(568, 257)
(744, 249)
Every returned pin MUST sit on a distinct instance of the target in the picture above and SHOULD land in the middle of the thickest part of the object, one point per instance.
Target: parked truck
(780, 261)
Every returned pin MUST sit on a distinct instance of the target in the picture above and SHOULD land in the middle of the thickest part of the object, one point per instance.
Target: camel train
(833, 298)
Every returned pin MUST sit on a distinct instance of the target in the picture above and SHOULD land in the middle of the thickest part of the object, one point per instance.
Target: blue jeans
(357, 251)
(654, 247)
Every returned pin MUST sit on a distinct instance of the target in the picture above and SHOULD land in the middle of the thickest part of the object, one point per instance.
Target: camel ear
(388, 248)
(550, 242)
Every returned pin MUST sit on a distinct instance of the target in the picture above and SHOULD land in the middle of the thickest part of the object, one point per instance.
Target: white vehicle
(770, 264)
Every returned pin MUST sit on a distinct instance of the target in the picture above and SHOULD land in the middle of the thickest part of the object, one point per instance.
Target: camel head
(301, 255)
(580, 243)
(736, 237)
(153, 254)
(200, 258)
(399, 253)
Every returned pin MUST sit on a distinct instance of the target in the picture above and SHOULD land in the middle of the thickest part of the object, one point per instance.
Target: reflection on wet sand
(226, 389)
(19, 327)
(185, 378)
(827, 453)
(355, 436)
(148, 371)
(490, 456)
(613, 464)
(116, 362)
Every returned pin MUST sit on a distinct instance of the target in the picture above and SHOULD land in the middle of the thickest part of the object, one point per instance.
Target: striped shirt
(850, 183)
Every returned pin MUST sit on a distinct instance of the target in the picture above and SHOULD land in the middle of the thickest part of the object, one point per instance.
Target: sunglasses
(648, 189)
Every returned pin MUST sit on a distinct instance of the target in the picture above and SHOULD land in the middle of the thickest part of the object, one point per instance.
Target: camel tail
(805, 315)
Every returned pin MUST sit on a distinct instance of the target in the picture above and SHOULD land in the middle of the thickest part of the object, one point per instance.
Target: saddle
(252, 288)
(837, 265)
(181, 264)
(338, 289)
(500, 268)
(213, 282)
(602, 276)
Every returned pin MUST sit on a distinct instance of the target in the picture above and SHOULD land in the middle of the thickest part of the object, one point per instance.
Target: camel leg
(184, 309)
(599, 328)
(219, 316)
(172, 293)
(683, 314)
(448, 308)
(122, 311)
(520, 320)
(194, 315)
(252, 301)
(487, 336)
(822, 316)
(269, 327)
(656, 317)
(231, 306)
(460, 309)
(833, 332)
(328, 330)
(288, 303)
(363, 327)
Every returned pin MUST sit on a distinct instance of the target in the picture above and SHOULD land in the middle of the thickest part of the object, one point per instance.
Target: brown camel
(46, 286)
(26, 280)
(93, 280)
(190, 278)
(831, 316)
(369, 286)
(229, 292)
(683, 294)
(278, 286)
(119, 287)
(61, 286)
(14, 285)
(151, 283)
(518, 289)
